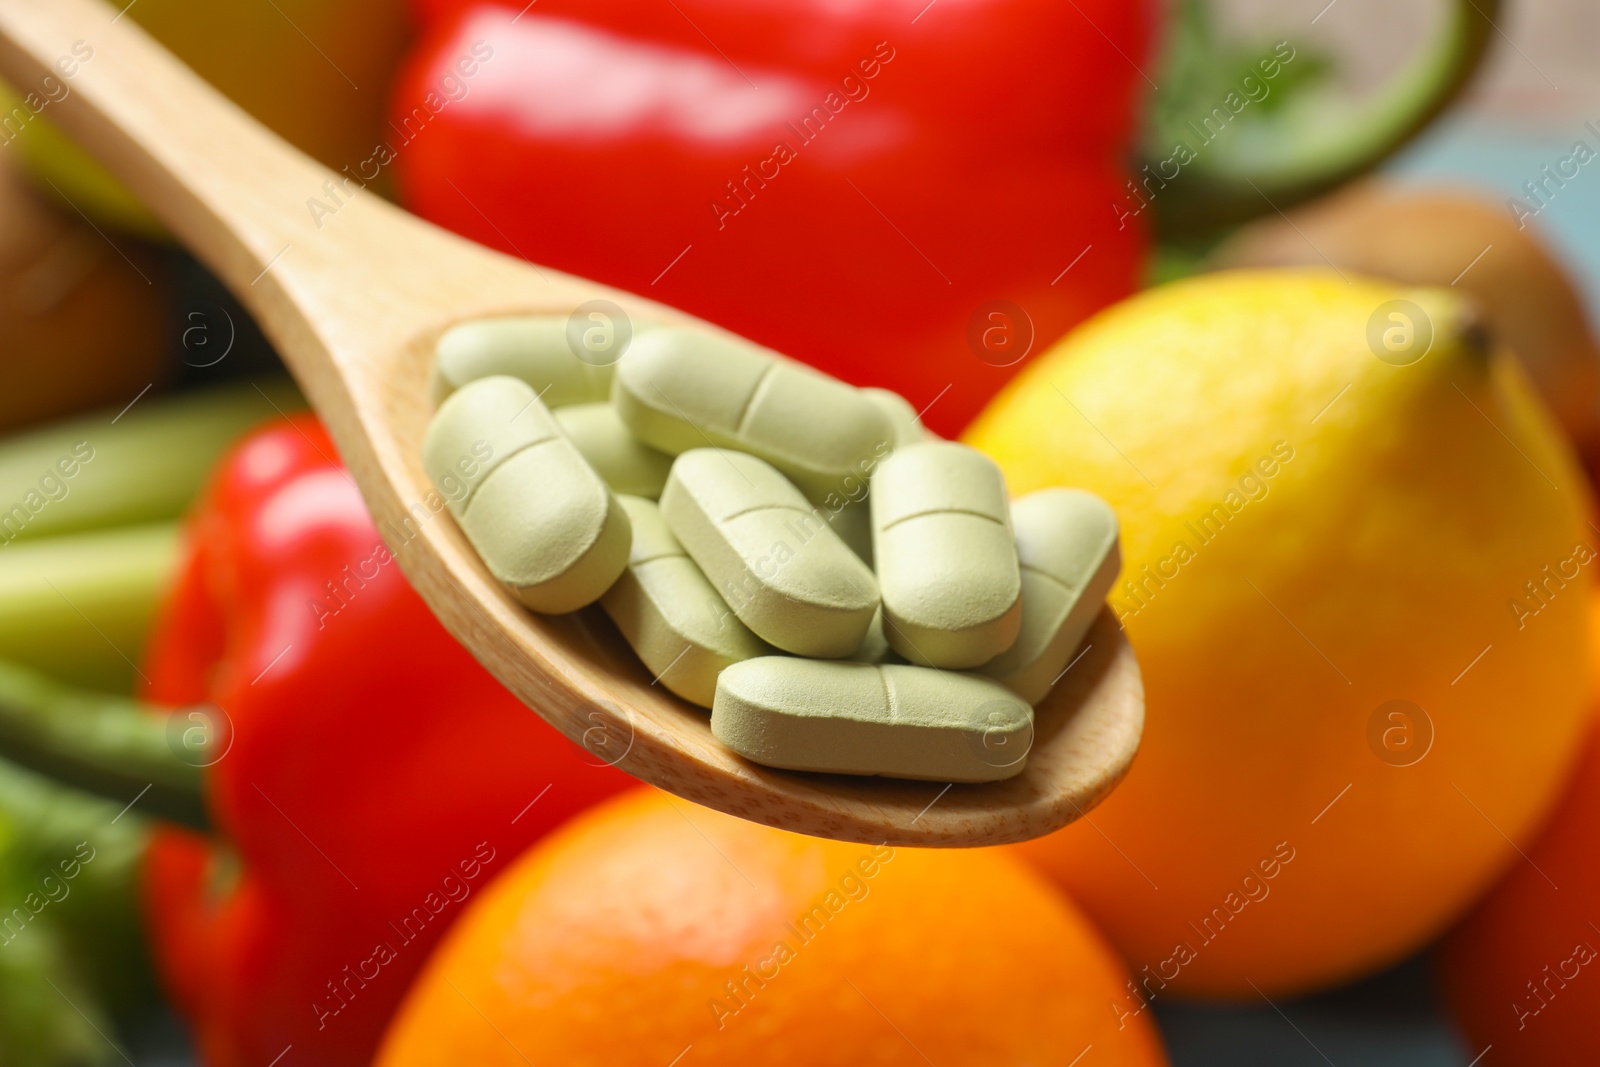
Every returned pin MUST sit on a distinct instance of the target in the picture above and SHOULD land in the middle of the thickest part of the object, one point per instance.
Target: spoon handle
(354, 300)
(353, 281)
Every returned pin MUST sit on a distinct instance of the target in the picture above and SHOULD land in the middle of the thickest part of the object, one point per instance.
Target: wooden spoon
(354, 301)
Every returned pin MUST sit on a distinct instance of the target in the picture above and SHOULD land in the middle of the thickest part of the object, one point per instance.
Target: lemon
(1356, 569)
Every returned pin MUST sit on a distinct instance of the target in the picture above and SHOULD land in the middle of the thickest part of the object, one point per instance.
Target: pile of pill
(844, 591)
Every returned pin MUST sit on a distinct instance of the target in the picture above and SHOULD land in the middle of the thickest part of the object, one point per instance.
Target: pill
(774, 559)
(903, 418)
(1067, 548)
(679, 388)
(627, 464)
(533, 348)
(676, 622)
(861, 718)
(946, 560)
(539, 516)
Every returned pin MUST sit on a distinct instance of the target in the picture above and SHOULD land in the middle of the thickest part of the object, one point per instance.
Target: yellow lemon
(1357, 560)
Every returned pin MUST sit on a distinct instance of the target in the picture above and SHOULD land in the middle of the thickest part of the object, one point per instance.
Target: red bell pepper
(376, 778)
(906, 193)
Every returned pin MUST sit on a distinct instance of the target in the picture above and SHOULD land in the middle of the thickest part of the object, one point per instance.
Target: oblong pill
(1067, 547)
(946, 560)
(676, 622)
(773, 558)
(627, 464)
(679, 388)
(861, 718)
(533, 348)
(539, 516)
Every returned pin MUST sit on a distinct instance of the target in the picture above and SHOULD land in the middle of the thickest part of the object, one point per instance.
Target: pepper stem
(113, 746)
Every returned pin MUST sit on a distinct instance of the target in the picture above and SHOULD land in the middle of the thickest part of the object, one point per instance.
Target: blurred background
(1365, 154)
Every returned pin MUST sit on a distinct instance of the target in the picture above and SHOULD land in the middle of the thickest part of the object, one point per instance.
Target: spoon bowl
(354, 293)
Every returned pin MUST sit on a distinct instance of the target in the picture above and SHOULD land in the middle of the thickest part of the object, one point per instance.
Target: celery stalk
(106, 745)
(78, 607)
(142, 464)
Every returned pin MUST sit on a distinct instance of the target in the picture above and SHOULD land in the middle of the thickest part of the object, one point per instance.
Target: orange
(1522, 973)
(1356, 579)
(652, 932)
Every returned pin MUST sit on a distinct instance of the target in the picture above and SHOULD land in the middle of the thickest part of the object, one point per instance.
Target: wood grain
(354, 302)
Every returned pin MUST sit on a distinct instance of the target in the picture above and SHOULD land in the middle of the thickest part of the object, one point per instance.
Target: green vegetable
(77, 607)
(72, 957)
(47, 1017)
(111, 746)
(143, 464)
(1240, 129)
(1199, 68)
(87, 543)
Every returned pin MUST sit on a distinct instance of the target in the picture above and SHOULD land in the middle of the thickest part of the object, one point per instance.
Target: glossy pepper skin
(851, 182)
(377, 778)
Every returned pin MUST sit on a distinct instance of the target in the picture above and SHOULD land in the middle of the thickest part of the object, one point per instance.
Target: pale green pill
(539, 516)
(627, 464)
(907, 424)
(861, 718)
(946, 558)
(533, 348)
(671, 615)
(679, 388)
(774, 559)
(1067, 546)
